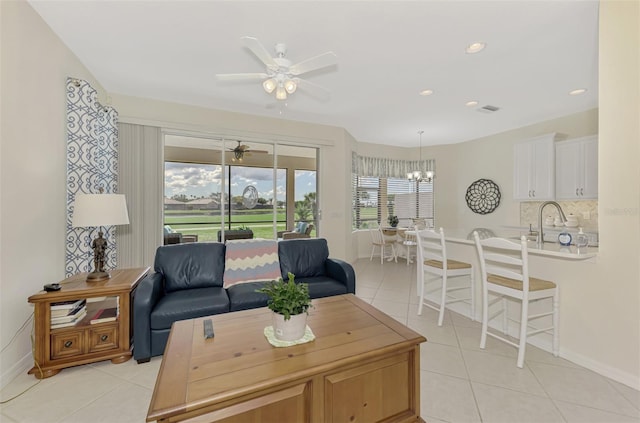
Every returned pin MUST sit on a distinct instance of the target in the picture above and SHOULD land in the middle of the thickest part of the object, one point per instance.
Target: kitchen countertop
(548, 249)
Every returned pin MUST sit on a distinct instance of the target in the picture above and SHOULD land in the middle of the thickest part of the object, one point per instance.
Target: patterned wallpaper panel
(92, 163)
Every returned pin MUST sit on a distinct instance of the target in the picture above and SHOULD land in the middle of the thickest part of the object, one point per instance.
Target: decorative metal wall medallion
(483, 196)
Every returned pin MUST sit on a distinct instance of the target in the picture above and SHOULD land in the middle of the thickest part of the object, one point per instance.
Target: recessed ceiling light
(578, 91)
(475, 47)
(471, 103)
(426, 92)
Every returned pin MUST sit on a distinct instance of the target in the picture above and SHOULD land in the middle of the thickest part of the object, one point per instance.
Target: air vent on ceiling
(488, 109)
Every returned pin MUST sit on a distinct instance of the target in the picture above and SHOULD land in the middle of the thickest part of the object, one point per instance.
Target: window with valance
(380, 189)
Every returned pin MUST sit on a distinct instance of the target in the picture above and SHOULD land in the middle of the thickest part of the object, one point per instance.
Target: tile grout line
(466, 369)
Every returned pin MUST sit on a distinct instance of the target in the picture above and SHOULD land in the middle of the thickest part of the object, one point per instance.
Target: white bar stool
(504, 268)
(432, 258)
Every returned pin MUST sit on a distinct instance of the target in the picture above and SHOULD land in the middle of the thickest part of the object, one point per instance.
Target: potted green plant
(393, 221)
(290, 303)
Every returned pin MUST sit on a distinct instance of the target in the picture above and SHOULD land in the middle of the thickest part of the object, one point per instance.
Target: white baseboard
(602, 369)
(21, 366)
(544, 343)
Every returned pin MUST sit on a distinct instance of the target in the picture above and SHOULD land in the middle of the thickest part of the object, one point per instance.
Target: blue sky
(201, 180)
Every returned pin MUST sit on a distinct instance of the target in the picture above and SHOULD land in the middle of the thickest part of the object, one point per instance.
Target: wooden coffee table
(363, 366)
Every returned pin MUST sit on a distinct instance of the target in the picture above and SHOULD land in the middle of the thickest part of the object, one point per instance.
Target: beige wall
(600, 317)
(35, 65)
(610, 297)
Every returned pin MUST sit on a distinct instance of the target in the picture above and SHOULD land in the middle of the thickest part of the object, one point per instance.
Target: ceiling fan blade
(257, 151)
(317, 62)
(241, 76)
(258, 49)
(315, 90)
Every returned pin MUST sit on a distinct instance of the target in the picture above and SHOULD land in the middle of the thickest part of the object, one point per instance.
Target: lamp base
(98, 276)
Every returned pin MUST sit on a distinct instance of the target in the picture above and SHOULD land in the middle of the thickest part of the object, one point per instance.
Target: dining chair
(504, 267)
(432, 259)
(406, 244)
(380, 241)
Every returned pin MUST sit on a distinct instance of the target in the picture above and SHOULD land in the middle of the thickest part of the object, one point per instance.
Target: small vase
(289, 330)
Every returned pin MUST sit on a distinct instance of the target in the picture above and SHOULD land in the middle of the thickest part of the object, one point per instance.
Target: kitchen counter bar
(548, 249)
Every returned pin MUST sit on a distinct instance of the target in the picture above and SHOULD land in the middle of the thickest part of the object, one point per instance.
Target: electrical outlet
(586, 215)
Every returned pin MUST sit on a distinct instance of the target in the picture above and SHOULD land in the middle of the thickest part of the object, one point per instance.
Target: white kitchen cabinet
(533, 169)
(577, 169)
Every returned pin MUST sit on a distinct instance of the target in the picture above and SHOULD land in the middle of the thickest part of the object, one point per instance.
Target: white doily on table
(308, 337)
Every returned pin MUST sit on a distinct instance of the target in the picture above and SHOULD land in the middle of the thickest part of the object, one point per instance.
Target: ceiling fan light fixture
(281, 76)
(269, 85)
(281, 93)
(290, 85)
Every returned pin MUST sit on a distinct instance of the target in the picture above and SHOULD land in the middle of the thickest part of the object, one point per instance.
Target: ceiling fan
(281, 75)
(240, 150)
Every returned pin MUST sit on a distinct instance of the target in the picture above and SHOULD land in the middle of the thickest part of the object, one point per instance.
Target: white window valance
(381, 167)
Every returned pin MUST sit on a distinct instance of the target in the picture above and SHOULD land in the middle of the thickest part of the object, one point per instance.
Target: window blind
(375, 199)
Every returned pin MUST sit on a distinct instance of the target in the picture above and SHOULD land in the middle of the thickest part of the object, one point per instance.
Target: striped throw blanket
(251, 260)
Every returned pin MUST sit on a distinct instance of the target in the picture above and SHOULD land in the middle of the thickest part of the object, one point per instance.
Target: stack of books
(108, 311)
(67, 313)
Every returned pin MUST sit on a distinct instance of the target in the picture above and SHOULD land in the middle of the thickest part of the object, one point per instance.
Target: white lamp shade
(92, 210)
(281, 93)
(290, 85)
(269, 85)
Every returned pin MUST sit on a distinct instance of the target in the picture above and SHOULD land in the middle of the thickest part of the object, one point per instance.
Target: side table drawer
(67, 344)
(103, 337)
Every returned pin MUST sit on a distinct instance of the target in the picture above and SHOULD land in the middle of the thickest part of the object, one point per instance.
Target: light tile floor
(459, 381)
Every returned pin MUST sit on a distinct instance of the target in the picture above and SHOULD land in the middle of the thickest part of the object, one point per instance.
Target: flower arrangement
(393, 221)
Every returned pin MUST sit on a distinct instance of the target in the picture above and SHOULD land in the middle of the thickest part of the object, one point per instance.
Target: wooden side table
(82, 343)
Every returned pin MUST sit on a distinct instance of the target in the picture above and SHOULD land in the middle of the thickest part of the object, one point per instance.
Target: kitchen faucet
(542, 206)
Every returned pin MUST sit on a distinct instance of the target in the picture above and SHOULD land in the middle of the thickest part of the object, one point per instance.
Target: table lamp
(97, 210)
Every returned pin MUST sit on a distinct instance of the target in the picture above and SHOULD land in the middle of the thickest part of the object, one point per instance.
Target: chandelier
(416, 175)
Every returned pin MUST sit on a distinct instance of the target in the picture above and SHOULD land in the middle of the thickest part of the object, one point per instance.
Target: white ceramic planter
(289, 330)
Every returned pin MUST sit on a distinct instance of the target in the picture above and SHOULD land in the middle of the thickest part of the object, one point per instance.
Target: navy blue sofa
(187, 283)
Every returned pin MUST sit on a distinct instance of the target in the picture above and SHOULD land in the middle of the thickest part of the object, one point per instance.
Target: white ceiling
(388, 51)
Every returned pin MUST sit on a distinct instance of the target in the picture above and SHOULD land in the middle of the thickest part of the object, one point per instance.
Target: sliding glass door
(213, 186)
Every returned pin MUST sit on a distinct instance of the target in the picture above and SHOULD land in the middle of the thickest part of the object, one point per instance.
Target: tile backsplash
(529, 212)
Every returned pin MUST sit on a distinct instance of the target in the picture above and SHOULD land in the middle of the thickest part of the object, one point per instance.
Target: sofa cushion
(303, 257)
(192, 265)
(323, 286)
(243, 296)
(251, 260)
(188, 304)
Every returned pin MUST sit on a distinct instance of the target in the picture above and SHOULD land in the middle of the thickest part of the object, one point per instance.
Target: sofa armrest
(342, 271)
(147, 294)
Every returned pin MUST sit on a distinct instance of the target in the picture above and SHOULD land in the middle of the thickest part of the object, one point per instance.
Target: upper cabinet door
(533, 169)
(577, 169)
